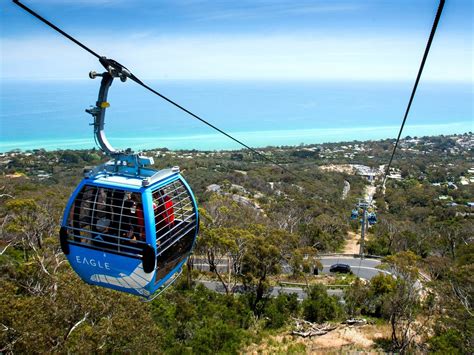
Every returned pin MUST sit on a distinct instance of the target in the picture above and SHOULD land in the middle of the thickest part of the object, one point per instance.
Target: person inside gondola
(103, 216)
(138, 232)
(80, 215)
(164, 215)
(133, 228)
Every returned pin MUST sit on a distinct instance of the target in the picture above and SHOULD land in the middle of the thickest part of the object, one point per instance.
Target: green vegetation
(319, 307)
(258, 218)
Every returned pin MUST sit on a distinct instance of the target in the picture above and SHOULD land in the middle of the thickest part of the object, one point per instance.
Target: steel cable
(420, 70)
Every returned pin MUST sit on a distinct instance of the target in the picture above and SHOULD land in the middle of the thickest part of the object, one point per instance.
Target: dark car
(342, 268)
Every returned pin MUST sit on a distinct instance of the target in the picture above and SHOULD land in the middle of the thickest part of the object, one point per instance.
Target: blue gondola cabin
(130, 233)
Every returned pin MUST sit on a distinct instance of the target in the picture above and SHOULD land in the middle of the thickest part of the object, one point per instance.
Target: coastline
(258, 139)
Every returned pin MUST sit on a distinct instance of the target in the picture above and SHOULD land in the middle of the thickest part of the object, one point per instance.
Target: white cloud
(266, 9)
(271, 57)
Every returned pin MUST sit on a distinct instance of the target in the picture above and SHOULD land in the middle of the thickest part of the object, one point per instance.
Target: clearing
(352, 243)
(343, 339)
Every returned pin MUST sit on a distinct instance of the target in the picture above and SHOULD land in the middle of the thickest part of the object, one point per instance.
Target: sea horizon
(256, 139)
(50, 114)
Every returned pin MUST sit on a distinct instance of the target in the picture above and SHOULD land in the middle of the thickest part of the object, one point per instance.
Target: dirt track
(352, 246)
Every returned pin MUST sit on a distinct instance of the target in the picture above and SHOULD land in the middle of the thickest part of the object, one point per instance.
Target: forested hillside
(259, 218)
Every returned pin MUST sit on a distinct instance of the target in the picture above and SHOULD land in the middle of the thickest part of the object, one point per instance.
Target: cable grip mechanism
(127, 157)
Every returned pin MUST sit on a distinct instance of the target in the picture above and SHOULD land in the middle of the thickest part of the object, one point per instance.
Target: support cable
(420, 70)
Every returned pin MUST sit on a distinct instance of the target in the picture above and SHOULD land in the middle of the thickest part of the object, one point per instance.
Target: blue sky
(241, 40)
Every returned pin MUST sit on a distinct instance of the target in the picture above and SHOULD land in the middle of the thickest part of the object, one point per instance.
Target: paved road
(364, 268)
(274, 291)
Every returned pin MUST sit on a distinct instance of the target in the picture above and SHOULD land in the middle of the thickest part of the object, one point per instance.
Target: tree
(325, 232)
(70, 157)
(303, 260)
(452, 234)
(402, 304)
(28, 223)
(76, 317)
(219, 244)
(381, 286)
(453, 309)
(263, 258)
(319, 306)
(355, 297)
(200, 321)
(288, 217)
(369, 298)
(279, 309)
(449, 342)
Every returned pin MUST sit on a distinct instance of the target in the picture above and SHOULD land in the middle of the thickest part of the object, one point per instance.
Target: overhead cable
(420, 70)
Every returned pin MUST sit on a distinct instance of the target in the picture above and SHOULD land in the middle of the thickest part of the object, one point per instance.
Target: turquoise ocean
(51, 114)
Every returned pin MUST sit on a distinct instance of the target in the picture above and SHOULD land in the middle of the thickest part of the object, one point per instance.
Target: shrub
(278, 310)
(319, 306)
(447, 343)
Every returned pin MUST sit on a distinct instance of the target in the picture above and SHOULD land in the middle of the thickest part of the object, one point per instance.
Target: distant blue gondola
(354, 214)
(372, 218)
(126, 226)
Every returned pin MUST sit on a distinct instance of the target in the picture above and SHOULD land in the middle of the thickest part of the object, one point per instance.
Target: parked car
(342, 268)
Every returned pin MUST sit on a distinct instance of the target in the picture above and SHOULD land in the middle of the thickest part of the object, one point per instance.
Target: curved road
(274, 291)
(363, 268)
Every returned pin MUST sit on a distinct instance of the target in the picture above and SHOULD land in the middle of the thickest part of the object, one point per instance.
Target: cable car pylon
(366, 218)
